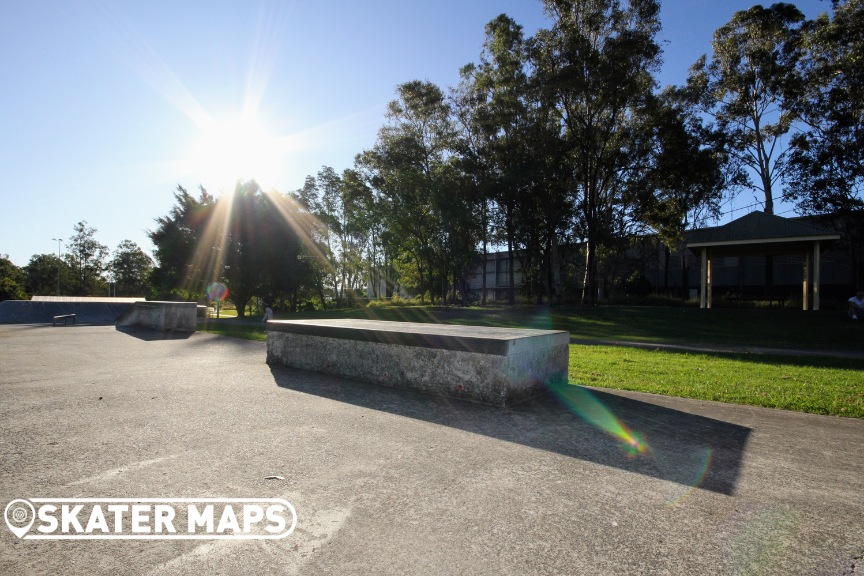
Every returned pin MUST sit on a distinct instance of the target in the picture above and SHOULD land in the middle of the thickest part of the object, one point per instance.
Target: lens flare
(581, 402)
(693, 468)
(217, 291)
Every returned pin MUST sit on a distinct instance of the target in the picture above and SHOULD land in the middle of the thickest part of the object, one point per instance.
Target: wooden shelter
(761, 234)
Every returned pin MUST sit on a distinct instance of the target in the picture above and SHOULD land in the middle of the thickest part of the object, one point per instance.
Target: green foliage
(12, 280)
(596, 66)
(827, 161)
(256, 243)
(396, 302)
(184, 265)
(746, 84)
(427, 219)
(501, 127)
(130, 269)
(686, 171)
(560, 139)
(548, 141)
(88, 259)
(42, 272)
(637, 284)
(341, 207)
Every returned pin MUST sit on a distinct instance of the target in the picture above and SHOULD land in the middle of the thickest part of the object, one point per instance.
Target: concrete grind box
(164, 316)
(498, 366)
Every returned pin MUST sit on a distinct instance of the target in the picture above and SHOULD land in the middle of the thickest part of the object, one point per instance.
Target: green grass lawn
(801, 383)
(798, 381)
(228, 328)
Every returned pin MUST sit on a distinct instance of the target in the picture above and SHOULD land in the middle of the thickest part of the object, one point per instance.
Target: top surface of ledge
(480, 339)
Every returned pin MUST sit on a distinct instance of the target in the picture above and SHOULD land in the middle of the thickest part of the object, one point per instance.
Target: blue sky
(107, 105)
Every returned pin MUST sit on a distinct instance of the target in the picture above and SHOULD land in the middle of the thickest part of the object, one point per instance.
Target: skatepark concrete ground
(387, 481)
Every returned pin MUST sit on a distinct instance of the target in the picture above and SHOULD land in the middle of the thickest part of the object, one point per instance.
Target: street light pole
(58, 264)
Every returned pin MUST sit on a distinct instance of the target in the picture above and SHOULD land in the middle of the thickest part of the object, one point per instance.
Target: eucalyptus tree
(745, 87)
(409, 168)
(378, 250)
(687, 174)
(510, 149)
(88, 258)
(340, 210)
(321, 208)
(595, 67)
(827, 160)
(467, 102)
(501, 120)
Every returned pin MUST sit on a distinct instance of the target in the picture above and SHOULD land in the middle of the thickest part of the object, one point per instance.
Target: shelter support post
(805, 285)
(705, 280)
(817, 257)
(710, 283)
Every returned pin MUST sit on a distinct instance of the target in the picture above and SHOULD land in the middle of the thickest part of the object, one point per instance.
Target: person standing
(856, 305)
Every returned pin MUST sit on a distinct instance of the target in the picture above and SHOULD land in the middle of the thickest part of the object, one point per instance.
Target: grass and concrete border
(786, 359)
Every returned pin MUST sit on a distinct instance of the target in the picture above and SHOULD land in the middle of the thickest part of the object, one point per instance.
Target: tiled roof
(757, 227)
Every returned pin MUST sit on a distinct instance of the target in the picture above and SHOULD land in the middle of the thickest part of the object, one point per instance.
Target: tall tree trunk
(511, 277)
(550, 277)
(666, 253)
(589, 288)
(485, 254)
(511, 240)
(485, 260)
(557, 257)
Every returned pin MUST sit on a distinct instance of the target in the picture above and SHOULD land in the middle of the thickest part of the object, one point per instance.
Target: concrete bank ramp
(98, 311)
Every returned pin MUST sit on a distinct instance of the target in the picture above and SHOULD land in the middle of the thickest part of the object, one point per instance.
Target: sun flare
(233, 150)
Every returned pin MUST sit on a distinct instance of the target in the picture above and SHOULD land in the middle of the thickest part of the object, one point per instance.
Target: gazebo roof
(758, 228)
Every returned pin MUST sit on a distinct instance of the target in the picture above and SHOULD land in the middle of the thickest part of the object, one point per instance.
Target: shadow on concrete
(152, 335)
(643, 438)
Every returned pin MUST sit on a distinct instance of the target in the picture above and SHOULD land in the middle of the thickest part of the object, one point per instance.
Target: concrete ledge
(499, 366)
(163, 316)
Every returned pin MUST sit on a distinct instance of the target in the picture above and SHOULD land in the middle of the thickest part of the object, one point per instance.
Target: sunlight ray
(210, 257)
(302, 223)
(130, 47)
(268, 37)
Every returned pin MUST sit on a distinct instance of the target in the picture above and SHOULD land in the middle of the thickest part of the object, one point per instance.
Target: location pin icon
(19, 515)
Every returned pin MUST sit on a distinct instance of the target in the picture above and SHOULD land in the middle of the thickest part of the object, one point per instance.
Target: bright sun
(234, 150)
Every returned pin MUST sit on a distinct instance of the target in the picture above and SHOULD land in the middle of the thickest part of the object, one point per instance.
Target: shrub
(396, 301)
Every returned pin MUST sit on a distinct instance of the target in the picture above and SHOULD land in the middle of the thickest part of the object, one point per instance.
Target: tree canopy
(555, 147)
(745, 88)
(827, 160)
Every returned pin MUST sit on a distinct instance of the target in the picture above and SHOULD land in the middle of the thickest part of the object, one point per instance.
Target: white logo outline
(23, 535)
